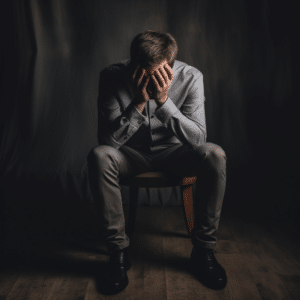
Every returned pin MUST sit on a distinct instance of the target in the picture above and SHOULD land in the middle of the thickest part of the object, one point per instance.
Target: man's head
(150, 48)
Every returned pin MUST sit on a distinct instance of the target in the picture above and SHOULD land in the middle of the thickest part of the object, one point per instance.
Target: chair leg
(133, 202)
(187, 205)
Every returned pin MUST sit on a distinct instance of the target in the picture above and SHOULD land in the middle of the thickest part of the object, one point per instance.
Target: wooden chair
(159, 180)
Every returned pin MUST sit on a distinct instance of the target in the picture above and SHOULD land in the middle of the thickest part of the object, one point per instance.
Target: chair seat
(157, 180)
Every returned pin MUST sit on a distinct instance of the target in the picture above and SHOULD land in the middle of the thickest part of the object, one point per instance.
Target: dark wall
(51, 56)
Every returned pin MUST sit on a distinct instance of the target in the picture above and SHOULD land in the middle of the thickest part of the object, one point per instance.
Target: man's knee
(215, 151)
(103, 153)
(213, 155)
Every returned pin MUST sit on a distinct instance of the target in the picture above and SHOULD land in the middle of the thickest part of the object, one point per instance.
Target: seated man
(151, 117)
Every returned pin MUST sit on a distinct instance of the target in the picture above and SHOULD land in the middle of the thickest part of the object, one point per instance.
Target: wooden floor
(261, 260)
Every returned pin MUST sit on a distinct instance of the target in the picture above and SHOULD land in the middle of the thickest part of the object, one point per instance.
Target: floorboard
(261, 258)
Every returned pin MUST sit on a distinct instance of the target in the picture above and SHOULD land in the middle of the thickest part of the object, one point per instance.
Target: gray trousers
(107, 164)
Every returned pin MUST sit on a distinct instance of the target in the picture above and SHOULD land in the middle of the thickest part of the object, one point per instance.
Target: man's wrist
(140, 106)
(161, 101)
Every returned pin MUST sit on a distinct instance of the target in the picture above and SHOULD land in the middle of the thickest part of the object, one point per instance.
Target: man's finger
(146, 82)
(141, 77)
(155, 81)
(164, 74)
(135, 72)
(160, 78)
(169, 71)
(135, 78)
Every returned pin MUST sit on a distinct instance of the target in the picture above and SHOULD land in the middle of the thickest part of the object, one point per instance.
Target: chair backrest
(157, 180)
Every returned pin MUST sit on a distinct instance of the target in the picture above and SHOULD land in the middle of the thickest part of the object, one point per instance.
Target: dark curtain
(51, 56)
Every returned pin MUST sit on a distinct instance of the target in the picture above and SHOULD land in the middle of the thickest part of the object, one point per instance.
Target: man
(151, 117)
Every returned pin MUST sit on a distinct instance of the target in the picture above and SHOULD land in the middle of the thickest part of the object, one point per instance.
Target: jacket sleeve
(189, 123)
(115, 127)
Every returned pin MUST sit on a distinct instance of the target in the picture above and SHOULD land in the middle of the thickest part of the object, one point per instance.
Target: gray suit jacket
(180, 120)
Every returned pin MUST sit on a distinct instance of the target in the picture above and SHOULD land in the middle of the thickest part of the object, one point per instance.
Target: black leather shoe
(205, 267)
(116, 277)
